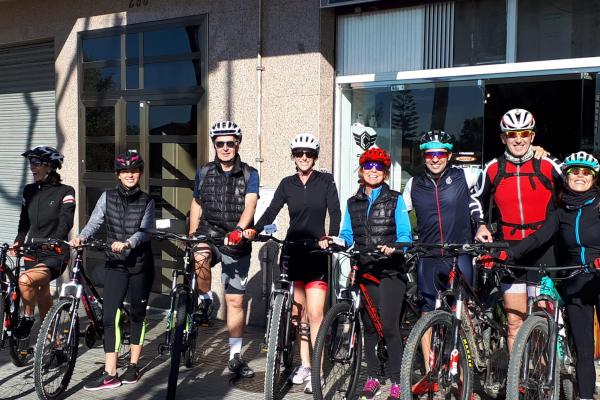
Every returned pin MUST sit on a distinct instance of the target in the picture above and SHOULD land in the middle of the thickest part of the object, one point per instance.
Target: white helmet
(581, 159)
(305, 141)
(225, 128)
(517, 119)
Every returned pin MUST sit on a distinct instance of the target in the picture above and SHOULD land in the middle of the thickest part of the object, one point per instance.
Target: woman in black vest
(47, 211)
(129, 265)
(376, 218)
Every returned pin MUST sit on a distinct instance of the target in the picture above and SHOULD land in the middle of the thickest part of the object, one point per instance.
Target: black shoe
(131, 375)
(203, 312)
(239, 367)
(24, 328)
(104, 381)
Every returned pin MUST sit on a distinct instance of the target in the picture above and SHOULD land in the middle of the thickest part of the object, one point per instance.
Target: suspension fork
(456, 326)
(171, 314)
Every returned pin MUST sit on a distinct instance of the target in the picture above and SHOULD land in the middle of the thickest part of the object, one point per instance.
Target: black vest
(379, 227)
(223, 199)
(123, 218)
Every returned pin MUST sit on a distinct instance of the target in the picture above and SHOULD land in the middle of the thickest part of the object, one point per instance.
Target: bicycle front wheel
(276, 347)
(428, 366)
(337, 354)
(529, 363)
(177, 346)
(56, 350)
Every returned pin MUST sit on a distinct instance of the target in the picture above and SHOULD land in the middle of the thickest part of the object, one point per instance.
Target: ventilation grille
(439, 35)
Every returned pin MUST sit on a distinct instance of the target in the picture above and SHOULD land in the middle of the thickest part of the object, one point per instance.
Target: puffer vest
(123, 218)
(379, 226)
(222, 198)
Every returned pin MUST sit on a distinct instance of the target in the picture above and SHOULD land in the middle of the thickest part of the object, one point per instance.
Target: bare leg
(235, 314)
(29, 284)
(203, 258)
(299, 316)
(515, 305)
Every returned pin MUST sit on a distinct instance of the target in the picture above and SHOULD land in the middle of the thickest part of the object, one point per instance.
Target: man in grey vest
(225, 197)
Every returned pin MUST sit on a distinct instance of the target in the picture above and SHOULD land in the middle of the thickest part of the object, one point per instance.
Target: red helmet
(375, 154)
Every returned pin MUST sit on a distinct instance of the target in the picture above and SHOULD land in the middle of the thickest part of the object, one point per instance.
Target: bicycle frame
(284, 287)
(11, 294)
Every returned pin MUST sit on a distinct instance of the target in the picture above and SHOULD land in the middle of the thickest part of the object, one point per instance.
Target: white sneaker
(301, 375)
(308, 388)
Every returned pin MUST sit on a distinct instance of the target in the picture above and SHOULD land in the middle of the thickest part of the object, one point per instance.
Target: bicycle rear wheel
(434, 379)
(18, 348)
(276, 347)
(529, 363)
(177, 346)
(56, 350)
(338, 353)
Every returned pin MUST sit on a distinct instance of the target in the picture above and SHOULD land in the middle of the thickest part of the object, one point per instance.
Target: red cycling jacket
(520, 197)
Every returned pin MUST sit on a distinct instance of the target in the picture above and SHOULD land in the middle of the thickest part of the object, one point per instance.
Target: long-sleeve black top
(307, 205)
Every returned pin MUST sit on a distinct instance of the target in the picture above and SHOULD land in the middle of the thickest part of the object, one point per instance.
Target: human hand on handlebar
(234, 237)
(489, 260)
(249, 233)
(119, 247)
(76, 241)
(387, 250)
(13, 250)
(596, 264)
(483, 234)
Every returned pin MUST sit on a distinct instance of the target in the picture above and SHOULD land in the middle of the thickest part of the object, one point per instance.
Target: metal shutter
(27, 119)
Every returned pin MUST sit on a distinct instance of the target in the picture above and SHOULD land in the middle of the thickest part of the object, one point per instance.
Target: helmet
(128, 161)
(517, 119)
(375, 154)
(436, 140)
(581, 159)
(47, 154)
(225, 128)
(305, 141)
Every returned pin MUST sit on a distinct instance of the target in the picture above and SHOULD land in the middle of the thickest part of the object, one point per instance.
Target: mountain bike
(181, 331)
(57, 343)
(461, 337)
(338, 349)
(542, 364)
(11, 306)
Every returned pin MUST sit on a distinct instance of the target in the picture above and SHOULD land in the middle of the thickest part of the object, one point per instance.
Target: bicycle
(460, 337)
(338, 348)
(11, 306)
(57, 343)
(536, 368)
(181, 331)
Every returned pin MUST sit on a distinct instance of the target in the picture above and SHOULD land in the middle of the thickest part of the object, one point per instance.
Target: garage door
(27, 119)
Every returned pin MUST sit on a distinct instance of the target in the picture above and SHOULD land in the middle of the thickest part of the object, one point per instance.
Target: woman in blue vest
(129, 265)
(376, 218)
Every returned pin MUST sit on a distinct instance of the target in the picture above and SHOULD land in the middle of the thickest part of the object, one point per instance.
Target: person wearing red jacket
(516, 191)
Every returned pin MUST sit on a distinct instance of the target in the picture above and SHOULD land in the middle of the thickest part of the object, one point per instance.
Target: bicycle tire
(46, 353)
(517, 390)
(177, 346)
(413, 364)
(494, 379)
(340, 327)
(275, 347)
(17, 348)
(190, 350)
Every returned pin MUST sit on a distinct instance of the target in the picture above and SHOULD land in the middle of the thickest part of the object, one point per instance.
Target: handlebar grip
(496, 245)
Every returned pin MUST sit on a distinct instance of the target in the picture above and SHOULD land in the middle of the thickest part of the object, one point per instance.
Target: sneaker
(203, 312)
(104, 381)
(131, 374)
(301, 375)
(394, 392)
(240, 367)
(24, 328)
(308, 388)
(372, 388)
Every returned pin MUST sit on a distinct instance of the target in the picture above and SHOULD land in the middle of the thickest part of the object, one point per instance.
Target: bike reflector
(270, 229)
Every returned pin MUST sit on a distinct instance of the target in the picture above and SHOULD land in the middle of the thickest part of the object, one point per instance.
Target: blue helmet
(436, 140)
(581, 159)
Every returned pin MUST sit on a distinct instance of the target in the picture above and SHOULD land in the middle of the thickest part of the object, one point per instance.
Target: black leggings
(117, 281)
(388, 297)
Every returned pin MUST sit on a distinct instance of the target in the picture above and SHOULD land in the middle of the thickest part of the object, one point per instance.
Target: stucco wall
(298, 77)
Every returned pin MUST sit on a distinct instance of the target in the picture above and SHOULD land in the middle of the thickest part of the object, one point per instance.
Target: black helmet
(128, 161)
(436, 140)
(46, 154)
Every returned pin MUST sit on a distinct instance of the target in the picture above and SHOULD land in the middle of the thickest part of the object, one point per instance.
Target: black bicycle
(11, 306)
(58, 340)
(542, 364)
(461, 337)
(181, 331)
(337, 356)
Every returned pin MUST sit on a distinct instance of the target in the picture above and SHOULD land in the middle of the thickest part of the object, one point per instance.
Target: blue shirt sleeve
(403, 229)
(346, 231)
(253, 183)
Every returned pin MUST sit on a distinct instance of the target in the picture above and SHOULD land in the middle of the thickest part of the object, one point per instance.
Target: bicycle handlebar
(163, 235)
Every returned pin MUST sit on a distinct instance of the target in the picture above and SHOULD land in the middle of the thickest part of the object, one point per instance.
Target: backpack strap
(201, 175)
(537, 169)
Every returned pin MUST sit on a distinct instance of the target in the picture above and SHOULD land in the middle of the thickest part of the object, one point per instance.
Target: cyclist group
(523, 197)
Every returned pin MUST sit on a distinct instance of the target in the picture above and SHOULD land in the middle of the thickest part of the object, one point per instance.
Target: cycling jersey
(521, 199)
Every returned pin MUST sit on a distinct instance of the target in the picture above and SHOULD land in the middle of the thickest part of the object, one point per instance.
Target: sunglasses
(521, 134)
(373, 164)
(308, 153)
(37, 163)
(439, 154)
(581, 171)
(230, 143)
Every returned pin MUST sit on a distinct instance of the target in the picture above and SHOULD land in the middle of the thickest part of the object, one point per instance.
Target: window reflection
(106, 79)
(172, 41)
(133, 118)
(133, 76)
(173, 161)
(99, 121)
(101, 48)
(173, 120)
(172, 74)
(99, 157)
(132, 46)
